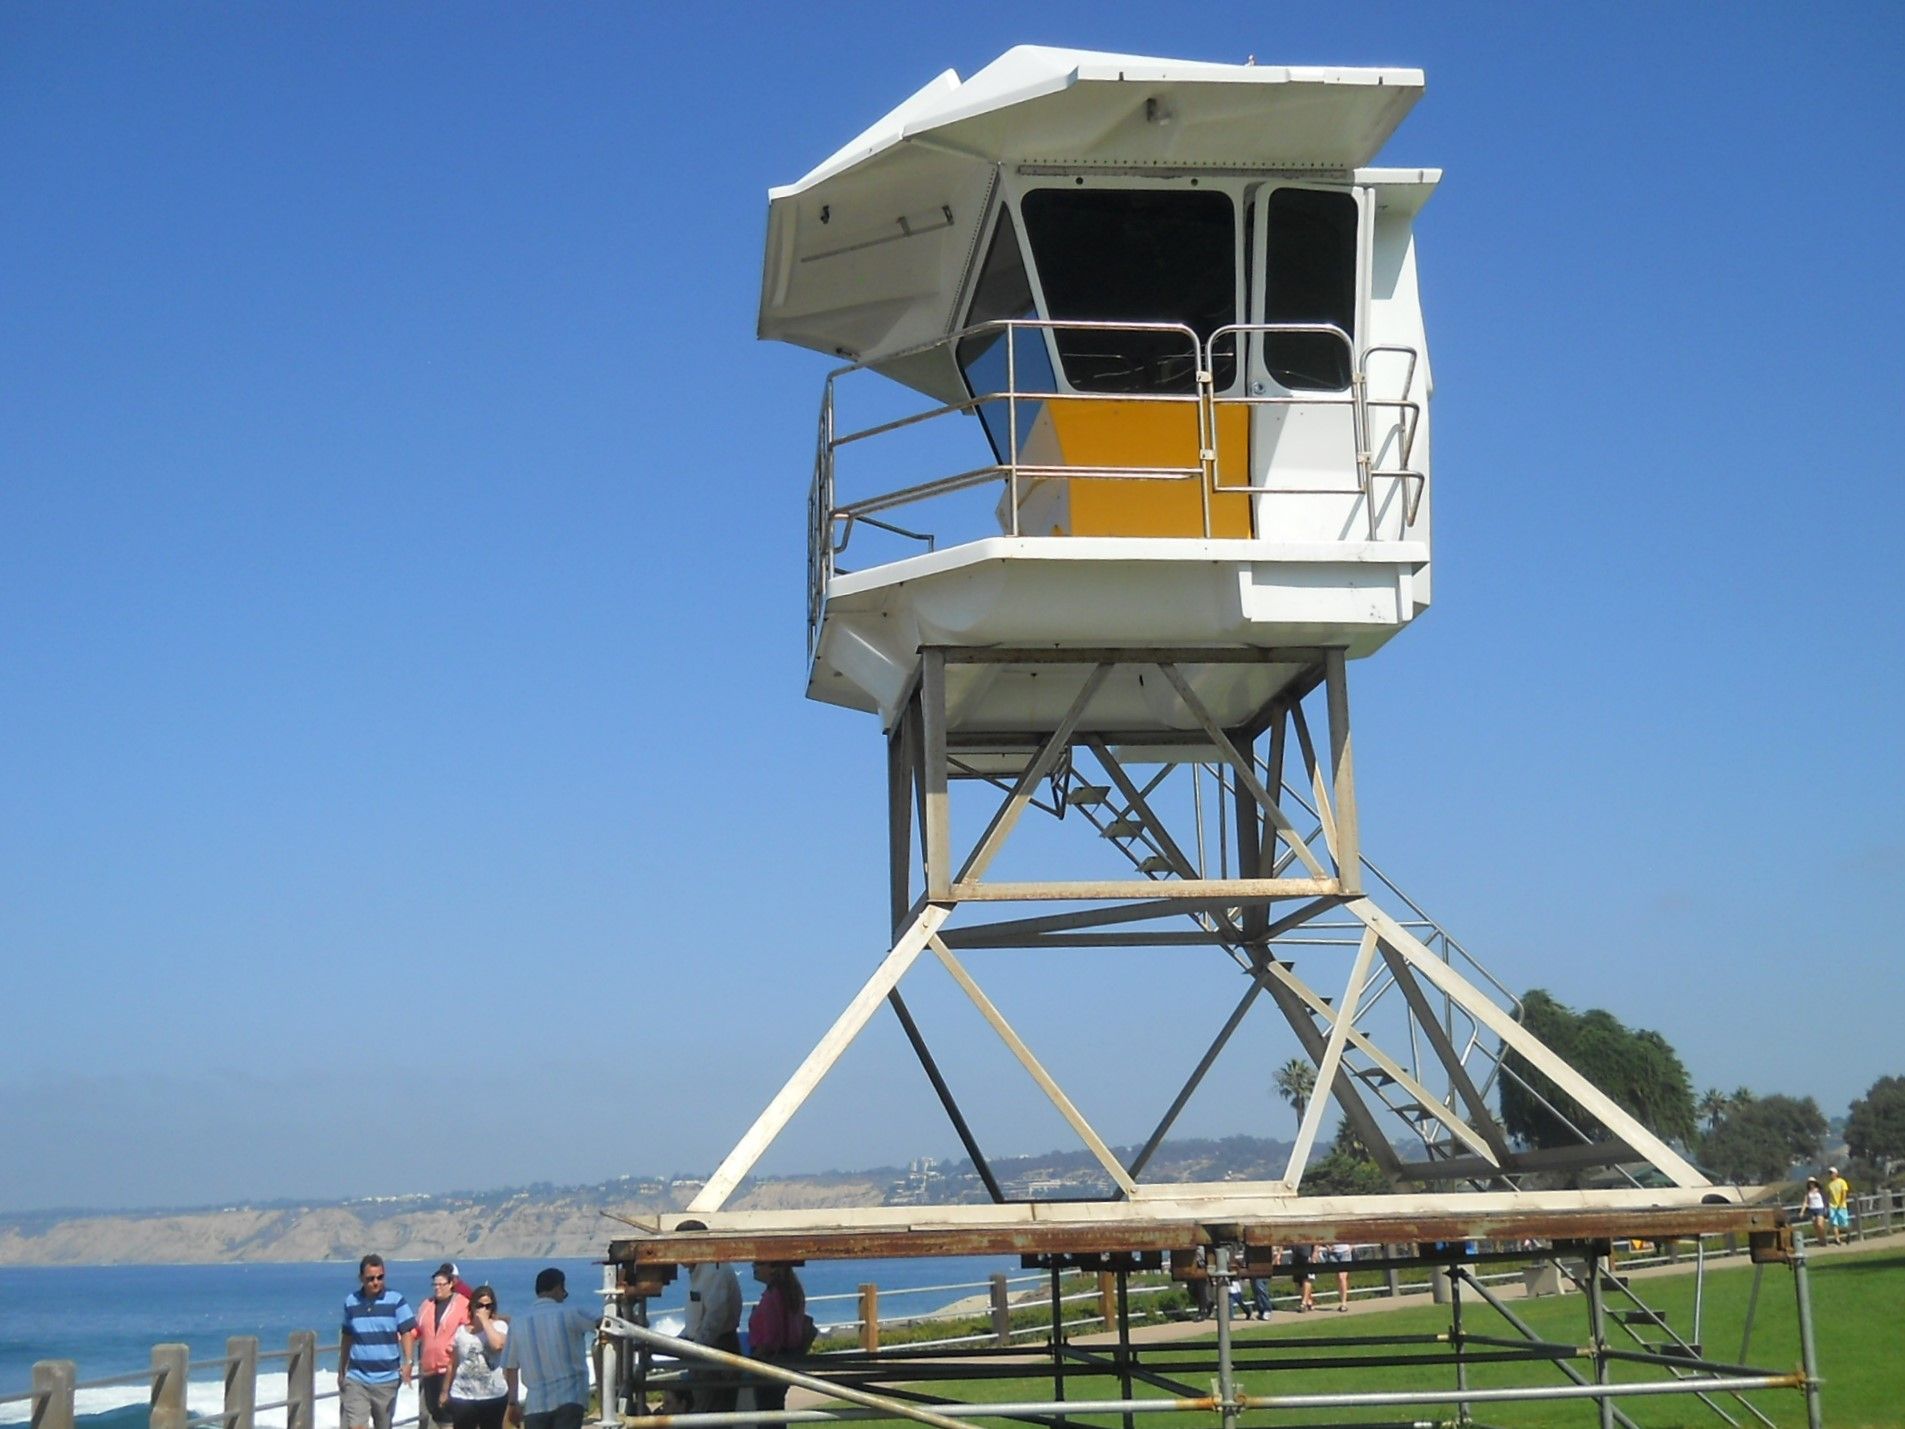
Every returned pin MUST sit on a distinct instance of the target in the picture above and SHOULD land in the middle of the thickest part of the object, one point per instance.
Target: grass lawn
(1858, 1305)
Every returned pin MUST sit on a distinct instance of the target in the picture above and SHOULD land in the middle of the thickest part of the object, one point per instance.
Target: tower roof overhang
(868, 253)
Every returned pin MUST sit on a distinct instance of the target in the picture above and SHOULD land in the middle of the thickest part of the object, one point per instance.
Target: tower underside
(1237, 851)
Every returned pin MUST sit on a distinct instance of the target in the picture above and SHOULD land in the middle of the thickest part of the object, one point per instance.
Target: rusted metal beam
(1136, 1236)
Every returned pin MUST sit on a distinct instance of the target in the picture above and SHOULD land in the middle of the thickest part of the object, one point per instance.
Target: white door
(1309, 291)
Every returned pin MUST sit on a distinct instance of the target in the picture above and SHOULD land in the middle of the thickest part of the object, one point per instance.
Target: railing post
(169, 1364)
(1001, 1311)
(870, 1318)
(1108, 1298)
(241, 1381)
(1392, 1274)
(300, 1389)
(1012, 417)
(52, 1394)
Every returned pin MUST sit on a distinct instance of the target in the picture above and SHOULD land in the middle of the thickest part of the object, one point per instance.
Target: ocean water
(107, 1318)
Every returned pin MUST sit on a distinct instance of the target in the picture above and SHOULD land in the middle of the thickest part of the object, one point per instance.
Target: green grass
(1858, 1302)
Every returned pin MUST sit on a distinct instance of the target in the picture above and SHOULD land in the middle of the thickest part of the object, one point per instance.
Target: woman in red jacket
(437, 1323)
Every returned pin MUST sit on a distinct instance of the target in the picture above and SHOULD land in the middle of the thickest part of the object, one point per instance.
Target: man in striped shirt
(376, 1350)
(548, 1347)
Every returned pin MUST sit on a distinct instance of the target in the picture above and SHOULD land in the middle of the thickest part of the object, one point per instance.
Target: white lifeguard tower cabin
(1182, 308)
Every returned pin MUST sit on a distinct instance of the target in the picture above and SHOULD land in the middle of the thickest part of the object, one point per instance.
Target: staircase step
(1641, 1317)
(1157, 863)
(1082, 796)
(1124, 828)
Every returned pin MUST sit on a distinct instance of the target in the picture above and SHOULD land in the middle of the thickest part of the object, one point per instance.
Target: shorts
(478, 1413)
(366, 1406)
(1839, 1218)
(563, 1416)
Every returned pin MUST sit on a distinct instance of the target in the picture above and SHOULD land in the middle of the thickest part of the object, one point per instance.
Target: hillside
(544, 1220)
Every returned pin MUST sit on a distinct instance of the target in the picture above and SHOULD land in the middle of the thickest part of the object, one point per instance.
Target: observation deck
(1165, 321)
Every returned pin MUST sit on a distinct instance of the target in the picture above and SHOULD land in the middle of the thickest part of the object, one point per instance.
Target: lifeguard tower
(1165, 476)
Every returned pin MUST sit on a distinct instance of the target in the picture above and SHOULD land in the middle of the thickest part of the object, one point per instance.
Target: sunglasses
(486, 1304)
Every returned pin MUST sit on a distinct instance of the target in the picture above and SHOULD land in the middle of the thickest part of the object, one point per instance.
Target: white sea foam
(208, 1397)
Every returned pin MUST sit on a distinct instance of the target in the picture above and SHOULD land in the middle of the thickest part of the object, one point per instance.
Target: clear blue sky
(407, 781)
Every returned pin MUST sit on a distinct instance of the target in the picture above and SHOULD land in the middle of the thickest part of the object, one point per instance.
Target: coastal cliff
(555, 1222)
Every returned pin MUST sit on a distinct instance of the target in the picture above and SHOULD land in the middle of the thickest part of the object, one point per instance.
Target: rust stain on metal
(1762, 1223)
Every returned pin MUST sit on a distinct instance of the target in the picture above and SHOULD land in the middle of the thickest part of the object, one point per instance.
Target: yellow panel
(1147, 433)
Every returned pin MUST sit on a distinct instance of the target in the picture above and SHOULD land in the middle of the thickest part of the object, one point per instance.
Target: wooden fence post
(52, 1394)
(870, 1318)
(169, 1370)
(300, 1390)
(1001, 1311)
(241, 1381)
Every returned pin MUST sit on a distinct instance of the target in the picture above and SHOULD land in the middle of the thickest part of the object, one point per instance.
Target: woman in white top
(478, 1392)
(1816, 1209)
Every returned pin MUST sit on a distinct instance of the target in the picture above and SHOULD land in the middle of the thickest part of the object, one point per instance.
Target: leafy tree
(1764, 1139)
(1295, 1080)
(1348, 1169)
(1875, 1130)
(1636, 1068)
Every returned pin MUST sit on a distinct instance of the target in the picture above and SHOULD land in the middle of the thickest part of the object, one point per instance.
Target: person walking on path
(1339, 1255)
(780, 1329)
(1300, 1258)
(477, 1393)
(1259, 1300)
(1838, 1208)
(375, 1351)
(1816, 1209)
(548, 1349)
(714, 1320)
(437, 1324)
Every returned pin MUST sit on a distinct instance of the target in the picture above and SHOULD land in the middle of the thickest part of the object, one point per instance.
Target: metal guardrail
(831, 522)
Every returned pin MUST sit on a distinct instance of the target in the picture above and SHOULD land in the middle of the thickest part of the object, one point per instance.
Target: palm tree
(1295, 1080)
(1714, 1104)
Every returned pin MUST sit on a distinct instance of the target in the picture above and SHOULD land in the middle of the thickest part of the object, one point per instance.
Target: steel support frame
(1277, 886)
(1283, 882)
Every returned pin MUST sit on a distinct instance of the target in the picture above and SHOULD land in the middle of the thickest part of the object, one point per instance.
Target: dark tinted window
(1134, 255)
(1311, 279)
(1003, 293)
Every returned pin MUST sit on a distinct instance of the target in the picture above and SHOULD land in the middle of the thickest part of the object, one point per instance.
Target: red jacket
(434, 1337)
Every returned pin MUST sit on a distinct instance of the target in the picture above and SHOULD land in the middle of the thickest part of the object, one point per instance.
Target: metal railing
(831, 522)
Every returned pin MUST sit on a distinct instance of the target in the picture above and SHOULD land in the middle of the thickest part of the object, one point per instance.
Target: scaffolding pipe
(1456, 1339)
(1523, 1328)
(763, 1369)
(1212, 1404)
(1808, 1357)
(1226, 1371)
(1597, 1321)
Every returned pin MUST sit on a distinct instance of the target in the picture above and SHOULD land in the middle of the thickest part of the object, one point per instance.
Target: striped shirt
(376, 1326)
(547, 1345)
